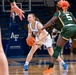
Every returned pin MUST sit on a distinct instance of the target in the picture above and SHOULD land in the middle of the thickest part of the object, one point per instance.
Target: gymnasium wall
(48, 2)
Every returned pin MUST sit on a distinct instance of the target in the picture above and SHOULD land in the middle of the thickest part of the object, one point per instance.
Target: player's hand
(16, 9)
(37, 42)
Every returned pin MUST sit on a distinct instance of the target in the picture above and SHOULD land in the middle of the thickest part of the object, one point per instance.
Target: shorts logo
(14, 36)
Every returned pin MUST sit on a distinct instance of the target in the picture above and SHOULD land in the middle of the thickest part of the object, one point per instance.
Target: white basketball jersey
(47, 41)
(35, 29)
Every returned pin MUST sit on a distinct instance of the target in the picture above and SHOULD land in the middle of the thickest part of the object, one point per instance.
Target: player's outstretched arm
(50, 22)
(16, 9)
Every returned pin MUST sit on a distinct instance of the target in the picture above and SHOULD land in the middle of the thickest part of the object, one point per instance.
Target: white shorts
(48, 42)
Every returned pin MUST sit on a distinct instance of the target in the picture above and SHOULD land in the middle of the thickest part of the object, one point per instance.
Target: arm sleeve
(11, 1)
(56, 14)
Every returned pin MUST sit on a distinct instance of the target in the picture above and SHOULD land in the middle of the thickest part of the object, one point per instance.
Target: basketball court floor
(40, 63)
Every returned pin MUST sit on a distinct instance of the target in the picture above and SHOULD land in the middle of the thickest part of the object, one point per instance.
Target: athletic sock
(50, 65)
(26, 63)
(62, 62)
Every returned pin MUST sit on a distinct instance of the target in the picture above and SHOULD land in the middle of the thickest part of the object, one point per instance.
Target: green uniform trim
(12, 1)
(65, 38)
(57, 14)
(60, 19)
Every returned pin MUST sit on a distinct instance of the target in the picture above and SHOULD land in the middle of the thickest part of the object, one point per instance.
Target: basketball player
(43, 38)
(3, 60)
(16, 9)
(68, 30)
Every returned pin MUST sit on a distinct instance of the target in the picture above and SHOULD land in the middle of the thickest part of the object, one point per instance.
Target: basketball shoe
(25, 68)
(48, 71)
(65, 66)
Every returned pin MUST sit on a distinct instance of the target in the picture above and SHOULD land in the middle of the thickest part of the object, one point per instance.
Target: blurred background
(14, 32)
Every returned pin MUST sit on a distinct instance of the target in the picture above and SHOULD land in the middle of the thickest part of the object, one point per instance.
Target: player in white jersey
(41, 38)
(44, 41)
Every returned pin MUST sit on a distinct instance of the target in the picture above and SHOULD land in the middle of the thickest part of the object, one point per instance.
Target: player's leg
(60, 43)
(29, 56)
(3, 59)
(59, 59)
(62, 39)
(48, 44)
(74, 37)
(74, 43)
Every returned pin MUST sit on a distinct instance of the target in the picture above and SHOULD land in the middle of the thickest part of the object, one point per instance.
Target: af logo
(14, 36)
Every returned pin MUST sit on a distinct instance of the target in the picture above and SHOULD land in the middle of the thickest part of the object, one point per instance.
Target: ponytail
(37, 19)
(63, 4)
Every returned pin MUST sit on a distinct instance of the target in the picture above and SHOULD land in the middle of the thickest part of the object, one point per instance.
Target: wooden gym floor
(40, 63)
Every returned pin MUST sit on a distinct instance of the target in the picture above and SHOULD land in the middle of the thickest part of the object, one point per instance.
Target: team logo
(14, 36)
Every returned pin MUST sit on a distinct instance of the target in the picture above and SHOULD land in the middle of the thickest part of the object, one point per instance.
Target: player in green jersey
(68, 29)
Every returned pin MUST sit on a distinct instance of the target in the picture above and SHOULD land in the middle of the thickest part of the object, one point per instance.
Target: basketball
(30, 41)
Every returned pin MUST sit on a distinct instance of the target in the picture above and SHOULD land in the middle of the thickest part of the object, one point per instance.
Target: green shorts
(68, 32)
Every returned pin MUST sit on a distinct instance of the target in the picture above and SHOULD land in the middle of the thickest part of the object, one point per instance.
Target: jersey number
(68, 17)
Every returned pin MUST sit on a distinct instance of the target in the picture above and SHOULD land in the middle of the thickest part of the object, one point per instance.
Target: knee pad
(57, 50)
(55, 54)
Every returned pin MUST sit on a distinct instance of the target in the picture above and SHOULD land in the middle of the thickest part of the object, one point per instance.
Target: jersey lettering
(68, 17)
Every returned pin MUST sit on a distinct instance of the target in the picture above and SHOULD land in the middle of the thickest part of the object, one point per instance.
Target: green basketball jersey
(64, 18)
